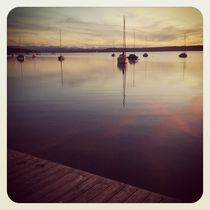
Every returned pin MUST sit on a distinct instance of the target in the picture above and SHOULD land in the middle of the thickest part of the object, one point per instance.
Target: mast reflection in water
(123, 67)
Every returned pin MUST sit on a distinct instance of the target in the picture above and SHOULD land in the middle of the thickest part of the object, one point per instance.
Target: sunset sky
(102, 27)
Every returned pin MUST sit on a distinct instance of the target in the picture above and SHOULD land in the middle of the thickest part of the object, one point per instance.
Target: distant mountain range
(41, 49)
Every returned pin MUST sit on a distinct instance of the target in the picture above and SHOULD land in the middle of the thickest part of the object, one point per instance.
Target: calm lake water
(142, 125)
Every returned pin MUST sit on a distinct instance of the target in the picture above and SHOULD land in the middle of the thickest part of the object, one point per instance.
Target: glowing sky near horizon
(102, 27)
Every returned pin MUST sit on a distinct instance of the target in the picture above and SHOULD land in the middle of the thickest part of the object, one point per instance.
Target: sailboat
(133, 57)
(122, 57)
(33, 56)
(21, 56)
(184, 54)
(145, 54)
(60, 57)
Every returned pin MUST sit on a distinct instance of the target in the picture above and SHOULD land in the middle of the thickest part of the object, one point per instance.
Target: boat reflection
(123, 67)
(145, 68)
(61, 71)
(133, 63)
(34, 64)
(21, 69)
(113, 63)
(183, 68)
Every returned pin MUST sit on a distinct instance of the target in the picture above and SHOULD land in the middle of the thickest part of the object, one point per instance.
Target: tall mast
(113, 46)
(20, 44)
(134, 41)
(60, 42)
(145, 42)
(19, 41)
(124, 43)
(185, 43)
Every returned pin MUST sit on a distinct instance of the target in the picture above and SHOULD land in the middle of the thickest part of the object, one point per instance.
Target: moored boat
(20, 57)
(145, 55)
(60, 57)
(184, 54)
(122, 59)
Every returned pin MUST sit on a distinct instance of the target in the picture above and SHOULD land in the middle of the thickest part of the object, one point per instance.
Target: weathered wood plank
(31, 179)
(49, 176)
(138, 197)
(14, 155)
(123, 194)
(109, 192)
(27, 168)
(69, 184)
(39, 195)
(75, 192)
(22, 163)
(153, 198)
(16, 164)
(38, 183)
(94, 191)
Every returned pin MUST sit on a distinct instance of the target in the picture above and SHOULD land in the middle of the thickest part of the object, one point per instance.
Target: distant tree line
(35, 49)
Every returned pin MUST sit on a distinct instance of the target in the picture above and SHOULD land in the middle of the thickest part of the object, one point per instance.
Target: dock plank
(138, 197)
(16, 164)
(26, 168)
(64, 180)
(38, 179)
(75, 192)
(153, 198)
(123, 194)
(106, 194)
(14, 155)
(50, 197)
(32, 179)
(94, 191)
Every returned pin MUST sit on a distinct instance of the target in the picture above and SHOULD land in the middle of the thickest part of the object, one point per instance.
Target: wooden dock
(32, 179)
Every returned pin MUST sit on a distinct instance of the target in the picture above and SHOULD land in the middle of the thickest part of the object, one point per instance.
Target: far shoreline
(41, 49)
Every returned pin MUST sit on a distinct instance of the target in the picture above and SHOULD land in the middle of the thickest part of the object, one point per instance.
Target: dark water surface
(143, 127)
